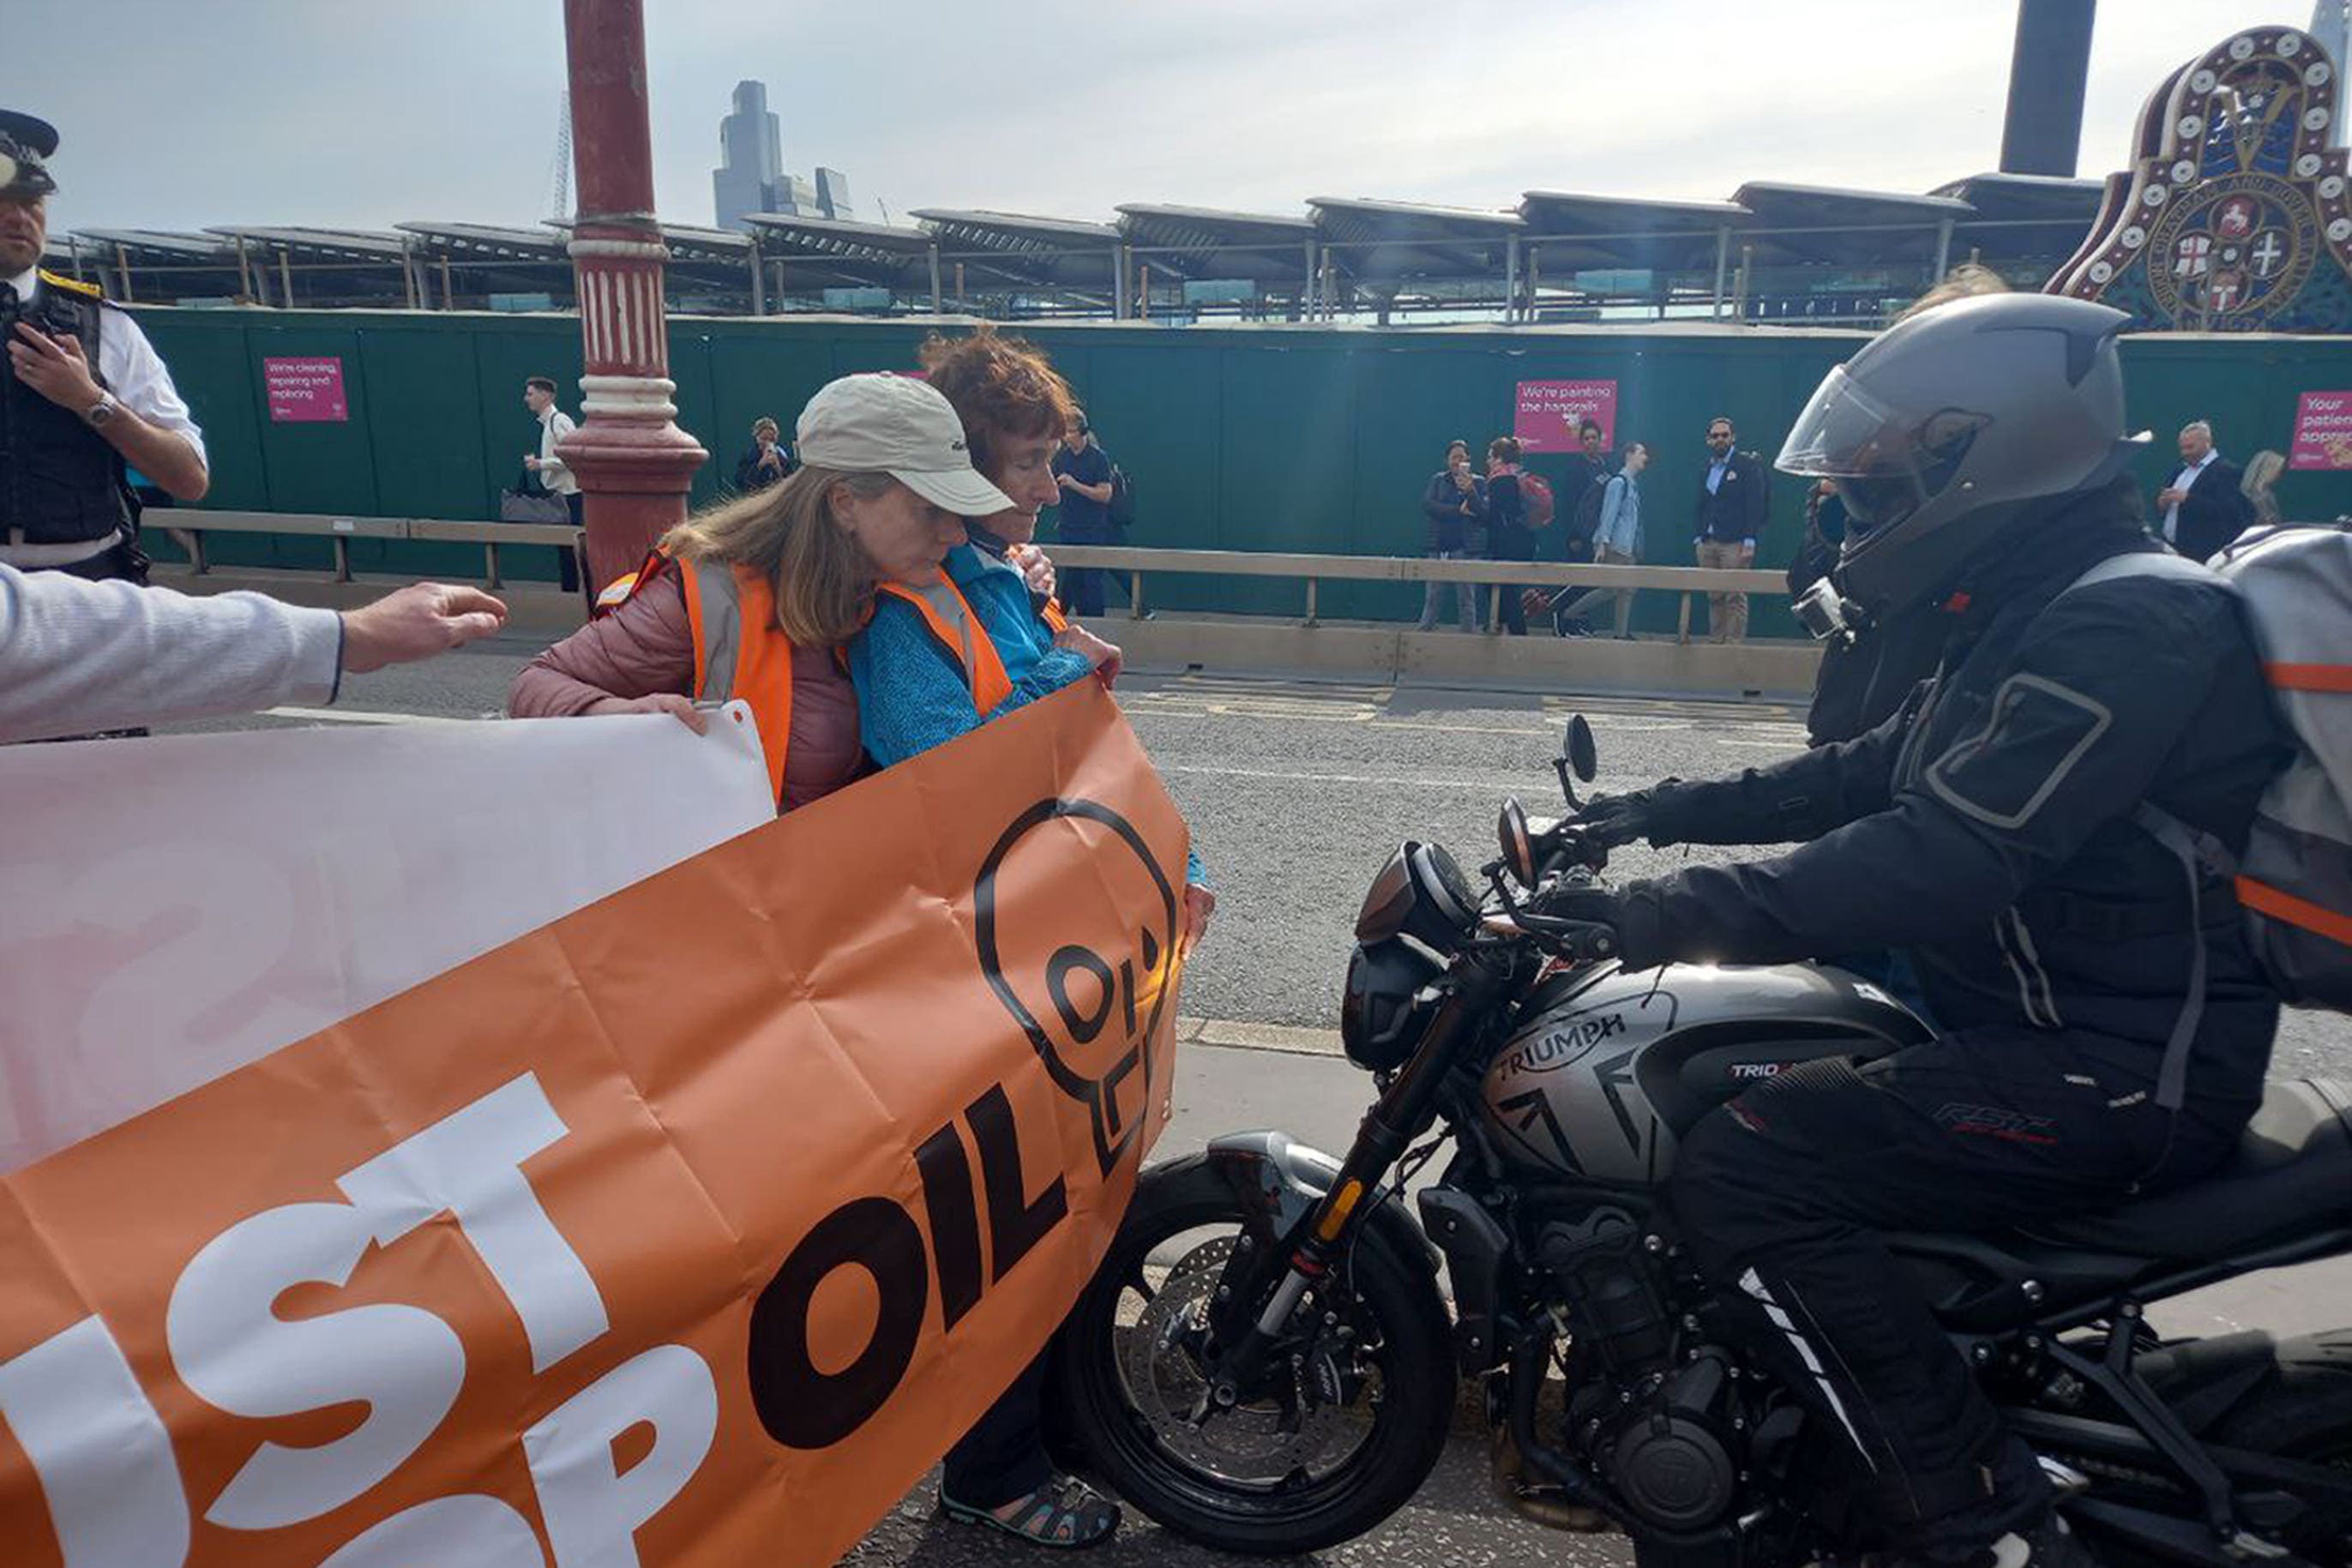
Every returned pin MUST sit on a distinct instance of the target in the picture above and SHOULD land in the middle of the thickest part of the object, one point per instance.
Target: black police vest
(61, 483)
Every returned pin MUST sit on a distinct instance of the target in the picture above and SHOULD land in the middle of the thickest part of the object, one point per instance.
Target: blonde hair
(786, 533)
(1966, 281)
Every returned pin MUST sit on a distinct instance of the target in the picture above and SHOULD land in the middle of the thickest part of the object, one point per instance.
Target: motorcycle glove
(1588, 902)
(1610, 821)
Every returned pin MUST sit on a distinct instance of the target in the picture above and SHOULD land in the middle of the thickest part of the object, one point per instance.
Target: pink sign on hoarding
(2323, 431)
(305, 390)
(1550, 412)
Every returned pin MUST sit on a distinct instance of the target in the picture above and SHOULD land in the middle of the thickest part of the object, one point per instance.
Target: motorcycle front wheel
(1343, 1438)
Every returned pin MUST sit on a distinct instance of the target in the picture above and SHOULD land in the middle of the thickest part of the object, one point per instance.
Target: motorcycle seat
(2291, 1176)
(2293, 1170)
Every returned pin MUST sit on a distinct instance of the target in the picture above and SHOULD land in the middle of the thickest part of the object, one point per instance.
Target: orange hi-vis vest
(740, 652)
(968, 644)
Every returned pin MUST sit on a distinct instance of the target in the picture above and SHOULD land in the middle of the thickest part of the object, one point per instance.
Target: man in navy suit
(1733, 501)
(2205, 507)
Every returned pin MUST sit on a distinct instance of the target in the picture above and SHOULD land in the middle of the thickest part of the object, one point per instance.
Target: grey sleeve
(76, 656)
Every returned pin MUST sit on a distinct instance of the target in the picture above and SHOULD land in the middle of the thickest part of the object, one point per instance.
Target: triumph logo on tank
(1567, 1045)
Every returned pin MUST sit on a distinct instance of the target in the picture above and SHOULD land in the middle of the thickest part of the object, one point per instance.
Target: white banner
(174, 909)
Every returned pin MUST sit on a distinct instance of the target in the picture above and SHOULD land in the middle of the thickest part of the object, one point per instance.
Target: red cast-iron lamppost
(635, 464)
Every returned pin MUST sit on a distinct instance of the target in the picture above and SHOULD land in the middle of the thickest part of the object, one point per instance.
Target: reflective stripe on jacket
(740, 652)
(967, 641)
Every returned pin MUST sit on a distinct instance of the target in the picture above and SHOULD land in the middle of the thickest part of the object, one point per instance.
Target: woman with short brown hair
(956, 649)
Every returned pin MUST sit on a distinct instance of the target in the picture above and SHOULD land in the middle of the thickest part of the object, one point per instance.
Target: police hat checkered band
(899, 426)
(25, 144)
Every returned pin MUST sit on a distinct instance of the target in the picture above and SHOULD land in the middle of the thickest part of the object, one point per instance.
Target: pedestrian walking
(1616, 541)
(1588, 467)
(554, 424)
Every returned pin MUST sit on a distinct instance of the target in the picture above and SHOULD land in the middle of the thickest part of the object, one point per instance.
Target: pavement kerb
(1234, 1035)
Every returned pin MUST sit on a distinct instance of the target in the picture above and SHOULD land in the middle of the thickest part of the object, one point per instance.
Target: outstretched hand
(417, 623)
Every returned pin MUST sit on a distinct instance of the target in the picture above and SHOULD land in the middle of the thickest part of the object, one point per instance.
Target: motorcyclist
(1987, 829)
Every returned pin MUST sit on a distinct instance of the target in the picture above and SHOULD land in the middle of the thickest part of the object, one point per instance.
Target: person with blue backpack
(2106, 835)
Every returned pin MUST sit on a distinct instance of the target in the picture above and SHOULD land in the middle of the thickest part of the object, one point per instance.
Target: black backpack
(1587, 521)
(1122, 498)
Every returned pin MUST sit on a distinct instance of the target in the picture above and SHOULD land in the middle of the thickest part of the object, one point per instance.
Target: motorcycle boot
(2051, 1543)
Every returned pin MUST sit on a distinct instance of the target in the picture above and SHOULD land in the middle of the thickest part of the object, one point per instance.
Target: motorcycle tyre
(1087, 1412)
(2303, 1411)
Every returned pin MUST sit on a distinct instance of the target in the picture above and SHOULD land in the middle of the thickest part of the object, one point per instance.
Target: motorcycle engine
(1665, 1429)
(1672, 1456)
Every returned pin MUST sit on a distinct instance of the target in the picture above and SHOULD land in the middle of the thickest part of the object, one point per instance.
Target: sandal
(1064, 1515)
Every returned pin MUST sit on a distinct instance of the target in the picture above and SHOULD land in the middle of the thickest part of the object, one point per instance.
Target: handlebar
(1587, 942)
(1583, 941)
(1565, 846)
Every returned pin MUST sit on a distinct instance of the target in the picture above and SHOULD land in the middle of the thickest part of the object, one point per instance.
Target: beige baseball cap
(899, 426)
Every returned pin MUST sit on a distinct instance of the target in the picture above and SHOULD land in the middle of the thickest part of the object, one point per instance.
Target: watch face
(103, 411)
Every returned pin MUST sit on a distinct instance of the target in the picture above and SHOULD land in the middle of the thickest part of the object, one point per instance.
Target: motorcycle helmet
(1952, 428)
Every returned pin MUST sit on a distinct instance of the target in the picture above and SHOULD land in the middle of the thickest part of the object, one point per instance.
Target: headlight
(1379, 1022)
(1421, 892)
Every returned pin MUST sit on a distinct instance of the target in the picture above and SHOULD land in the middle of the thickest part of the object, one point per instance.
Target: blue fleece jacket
(912, 695)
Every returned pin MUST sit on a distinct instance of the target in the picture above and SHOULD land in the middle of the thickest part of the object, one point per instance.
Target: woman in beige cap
(750, 600)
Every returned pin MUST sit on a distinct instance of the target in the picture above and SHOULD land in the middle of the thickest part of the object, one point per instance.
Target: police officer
(2106, 1031)
(83, 396)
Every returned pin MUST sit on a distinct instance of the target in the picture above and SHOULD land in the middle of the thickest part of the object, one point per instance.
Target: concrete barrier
(1778, 671)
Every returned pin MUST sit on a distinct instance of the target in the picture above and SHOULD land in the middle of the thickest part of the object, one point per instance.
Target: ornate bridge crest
(2237, 216)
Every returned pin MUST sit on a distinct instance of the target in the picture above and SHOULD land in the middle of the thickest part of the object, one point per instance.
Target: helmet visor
(1885, 464)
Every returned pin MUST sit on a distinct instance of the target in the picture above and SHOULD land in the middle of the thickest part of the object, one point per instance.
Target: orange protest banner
(687, 1230)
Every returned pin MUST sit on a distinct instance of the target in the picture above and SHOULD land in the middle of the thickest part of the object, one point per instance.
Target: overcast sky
(189, 113)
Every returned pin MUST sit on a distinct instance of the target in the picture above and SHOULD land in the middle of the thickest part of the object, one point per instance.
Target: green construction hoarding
(1282, 438)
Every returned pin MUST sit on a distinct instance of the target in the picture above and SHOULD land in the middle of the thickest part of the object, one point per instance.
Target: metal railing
(193, 525)
(1135, 564)
(1684, 582)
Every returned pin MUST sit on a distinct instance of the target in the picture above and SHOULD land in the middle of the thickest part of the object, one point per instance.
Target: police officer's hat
(25, 144)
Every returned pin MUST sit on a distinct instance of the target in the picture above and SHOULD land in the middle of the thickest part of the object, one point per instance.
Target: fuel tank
(1611, 1069)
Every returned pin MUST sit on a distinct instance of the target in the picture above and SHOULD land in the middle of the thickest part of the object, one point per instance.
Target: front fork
(1304, 1251)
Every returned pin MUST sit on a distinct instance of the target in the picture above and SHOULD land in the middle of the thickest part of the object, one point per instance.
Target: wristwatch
(107, 406)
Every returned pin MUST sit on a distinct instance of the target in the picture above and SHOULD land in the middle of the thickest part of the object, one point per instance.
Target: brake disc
(1262, 1442)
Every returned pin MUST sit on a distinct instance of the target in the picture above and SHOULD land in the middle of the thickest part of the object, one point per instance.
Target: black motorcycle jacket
(1987, 827)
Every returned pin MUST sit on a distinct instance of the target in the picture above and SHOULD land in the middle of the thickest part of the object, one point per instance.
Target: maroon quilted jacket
(648, 646)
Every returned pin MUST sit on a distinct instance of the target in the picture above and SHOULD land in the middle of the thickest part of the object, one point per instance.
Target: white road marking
(1342, 777)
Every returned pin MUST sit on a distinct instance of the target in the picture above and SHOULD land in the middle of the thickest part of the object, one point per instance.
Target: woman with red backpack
(1514, 499)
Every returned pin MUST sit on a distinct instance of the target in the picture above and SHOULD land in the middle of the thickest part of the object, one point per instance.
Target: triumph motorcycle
(1267, 1361)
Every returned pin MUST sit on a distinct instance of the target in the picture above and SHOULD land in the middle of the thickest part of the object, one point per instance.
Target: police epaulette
(72, 285)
